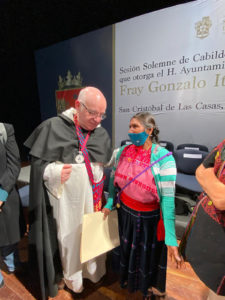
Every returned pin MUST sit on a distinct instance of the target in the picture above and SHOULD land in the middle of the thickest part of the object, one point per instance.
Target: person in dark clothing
(10, 205)
(68, 154)
(204, 239)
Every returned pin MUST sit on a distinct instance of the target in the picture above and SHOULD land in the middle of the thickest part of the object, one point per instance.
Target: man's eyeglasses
(94, 113)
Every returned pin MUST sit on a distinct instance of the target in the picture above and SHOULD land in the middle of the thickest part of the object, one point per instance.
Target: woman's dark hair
(148, 121)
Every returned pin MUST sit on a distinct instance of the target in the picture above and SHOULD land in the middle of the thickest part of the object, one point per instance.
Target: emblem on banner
(68, 90)
(202, 27)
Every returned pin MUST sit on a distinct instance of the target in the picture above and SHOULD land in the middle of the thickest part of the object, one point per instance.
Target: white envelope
(98, 236)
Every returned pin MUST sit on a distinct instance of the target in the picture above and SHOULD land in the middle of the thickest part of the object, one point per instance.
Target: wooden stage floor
(182, 284)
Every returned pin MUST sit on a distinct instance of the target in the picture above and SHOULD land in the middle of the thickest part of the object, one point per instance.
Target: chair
(193, 147)
(187, 187)
(125, 142)
(187, 161)
(24, 175)
(168, 145)
(24, 196)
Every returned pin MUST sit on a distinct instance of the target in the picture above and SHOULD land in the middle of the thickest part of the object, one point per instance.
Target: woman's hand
(65, 174)
(174, 256)
(106, 212)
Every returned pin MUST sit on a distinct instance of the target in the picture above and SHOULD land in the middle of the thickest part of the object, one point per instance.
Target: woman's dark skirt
(143, 259)
(204, 248)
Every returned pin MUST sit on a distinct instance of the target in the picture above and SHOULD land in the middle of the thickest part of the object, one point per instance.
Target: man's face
(90, 113)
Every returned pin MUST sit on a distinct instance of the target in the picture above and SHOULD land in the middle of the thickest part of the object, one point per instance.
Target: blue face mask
(138, 139)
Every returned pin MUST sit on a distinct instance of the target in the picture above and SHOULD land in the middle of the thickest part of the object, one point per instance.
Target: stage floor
(182, 284)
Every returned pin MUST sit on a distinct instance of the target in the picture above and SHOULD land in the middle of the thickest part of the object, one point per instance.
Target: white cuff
(112, 160)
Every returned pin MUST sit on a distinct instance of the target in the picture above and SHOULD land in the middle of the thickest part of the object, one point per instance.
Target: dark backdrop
(90, 54)
(28, 25)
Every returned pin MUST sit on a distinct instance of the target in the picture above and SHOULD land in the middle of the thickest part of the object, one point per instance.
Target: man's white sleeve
(52, 179)
(112, 160)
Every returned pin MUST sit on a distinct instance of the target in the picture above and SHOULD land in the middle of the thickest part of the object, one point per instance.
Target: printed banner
(172, 63)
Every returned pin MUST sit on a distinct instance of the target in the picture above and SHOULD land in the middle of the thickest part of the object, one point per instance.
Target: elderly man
(68, 154)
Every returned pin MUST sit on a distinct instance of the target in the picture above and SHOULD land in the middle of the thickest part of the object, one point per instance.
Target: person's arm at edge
(9, 177)
(214, 188)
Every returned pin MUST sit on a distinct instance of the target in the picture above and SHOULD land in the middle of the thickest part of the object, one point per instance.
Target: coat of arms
(68, 90)
(202, 27)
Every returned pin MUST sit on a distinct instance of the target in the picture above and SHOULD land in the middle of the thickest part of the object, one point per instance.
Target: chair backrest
(125, 142)
(168, 145)
(187, 160)
(193, 147)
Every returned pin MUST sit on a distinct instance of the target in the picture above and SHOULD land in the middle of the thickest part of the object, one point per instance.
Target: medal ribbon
(97, 187)
(84, 141)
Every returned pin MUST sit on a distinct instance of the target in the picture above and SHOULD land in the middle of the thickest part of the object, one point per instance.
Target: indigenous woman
(144, 174)
(204, 238)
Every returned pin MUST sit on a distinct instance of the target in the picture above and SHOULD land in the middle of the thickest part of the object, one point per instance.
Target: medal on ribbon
(79, 159)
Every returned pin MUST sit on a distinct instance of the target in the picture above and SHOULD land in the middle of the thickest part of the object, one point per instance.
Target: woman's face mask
(138, 139)
(137, 133)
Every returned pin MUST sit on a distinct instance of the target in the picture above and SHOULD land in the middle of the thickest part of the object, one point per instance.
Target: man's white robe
(70, 201)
